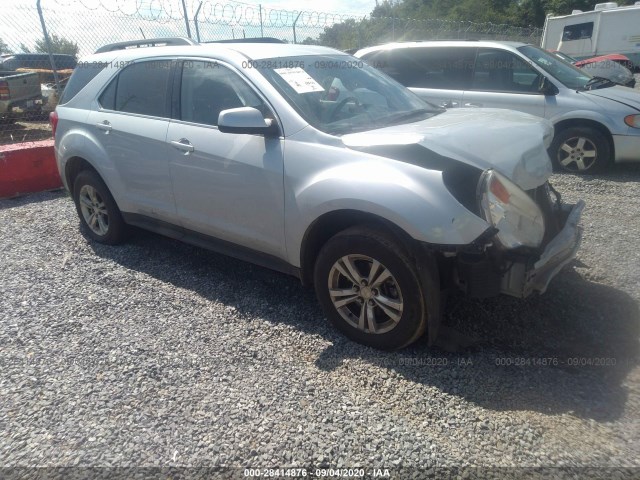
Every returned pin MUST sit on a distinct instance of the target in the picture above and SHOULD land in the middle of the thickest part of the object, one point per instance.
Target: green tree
(58, 45)
(4, 48)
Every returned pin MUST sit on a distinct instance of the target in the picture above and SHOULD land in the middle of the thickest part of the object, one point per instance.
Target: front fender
(413, 198)
(613, 125)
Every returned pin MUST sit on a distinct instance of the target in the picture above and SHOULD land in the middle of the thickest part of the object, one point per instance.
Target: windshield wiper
(596, 80)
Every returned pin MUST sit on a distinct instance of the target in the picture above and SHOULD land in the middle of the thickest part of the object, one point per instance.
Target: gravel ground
(159, 354)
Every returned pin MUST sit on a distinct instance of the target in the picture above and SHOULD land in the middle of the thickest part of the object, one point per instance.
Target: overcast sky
(90, 24)
(333, 6)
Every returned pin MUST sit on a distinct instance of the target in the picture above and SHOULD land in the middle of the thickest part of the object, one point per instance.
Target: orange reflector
(499, 190)
(632, 120)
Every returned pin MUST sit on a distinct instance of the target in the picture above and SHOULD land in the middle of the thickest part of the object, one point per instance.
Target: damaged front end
(532, 236)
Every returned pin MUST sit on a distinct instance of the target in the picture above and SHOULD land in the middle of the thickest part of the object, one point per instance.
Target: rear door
(131, 125)
(501, 79)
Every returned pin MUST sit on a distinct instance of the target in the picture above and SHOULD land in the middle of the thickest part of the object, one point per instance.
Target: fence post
(294, 27)
(48, 44)
(195, 21)
(186, 19)
(261, 30)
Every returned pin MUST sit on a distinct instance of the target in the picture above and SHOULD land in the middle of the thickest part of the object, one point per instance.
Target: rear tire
(369, 289)
(100, 217)
(580, 150)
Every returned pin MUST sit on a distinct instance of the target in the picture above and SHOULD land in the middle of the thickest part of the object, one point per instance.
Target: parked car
(20, 96)
(379, 199)
(606, 66)
(596, 122)
(40, 63)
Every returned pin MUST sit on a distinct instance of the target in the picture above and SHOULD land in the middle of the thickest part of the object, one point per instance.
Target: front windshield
(339, 94)
(570, 76)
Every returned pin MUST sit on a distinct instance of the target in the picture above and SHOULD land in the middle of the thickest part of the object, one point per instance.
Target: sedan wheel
(577, 154)
(580, 150)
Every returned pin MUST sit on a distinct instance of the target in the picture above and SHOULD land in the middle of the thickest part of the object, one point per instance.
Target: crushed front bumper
(522, 279)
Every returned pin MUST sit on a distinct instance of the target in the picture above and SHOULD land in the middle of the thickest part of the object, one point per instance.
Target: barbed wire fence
(79, 27)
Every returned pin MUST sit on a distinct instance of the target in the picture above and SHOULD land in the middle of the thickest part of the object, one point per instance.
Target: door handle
(472, 104)
(183, 144)
(449, 104)
(106, 126)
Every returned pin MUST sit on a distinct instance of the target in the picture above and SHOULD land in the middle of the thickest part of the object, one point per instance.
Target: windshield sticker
(299, 80)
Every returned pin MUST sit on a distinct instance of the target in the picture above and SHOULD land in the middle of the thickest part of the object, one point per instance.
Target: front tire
(100, 217)
(369, 289)
(580, 150)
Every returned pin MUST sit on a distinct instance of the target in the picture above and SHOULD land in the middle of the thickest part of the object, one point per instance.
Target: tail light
(4, 91)
(53, 121)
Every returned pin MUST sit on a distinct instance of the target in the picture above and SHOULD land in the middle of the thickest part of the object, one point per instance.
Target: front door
(228, 186)
(502, 79)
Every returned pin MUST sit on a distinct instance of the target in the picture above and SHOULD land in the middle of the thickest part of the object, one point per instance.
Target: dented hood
(513, 143)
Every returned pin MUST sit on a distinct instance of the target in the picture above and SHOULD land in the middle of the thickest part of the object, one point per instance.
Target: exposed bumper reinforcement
(520, 282)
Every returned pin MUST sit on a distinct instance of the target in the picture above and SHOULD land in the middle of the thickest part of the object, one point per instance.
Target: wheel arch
(73, 167)
(330, 223)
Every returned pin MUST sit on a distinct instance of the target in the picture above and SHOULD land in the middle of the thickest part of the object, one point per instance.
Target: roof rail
(147, 42)
(248, 40)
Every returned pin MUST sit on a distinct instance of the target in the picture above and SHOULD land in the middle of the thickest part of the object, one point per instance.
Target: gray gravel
(160, 354)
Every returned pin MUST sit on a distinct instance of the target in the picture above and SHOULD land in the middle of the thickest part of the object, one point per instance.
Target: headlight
(508, 208)
(632, 120)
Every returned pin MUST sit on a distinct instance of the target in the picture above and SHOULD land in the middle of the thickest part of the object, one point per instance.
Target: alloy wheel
(577, 154)
(94, 210)
(365, 294)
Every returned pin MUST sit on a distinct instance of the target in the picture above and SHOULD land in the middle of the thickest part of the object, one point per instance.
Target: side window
(207, 88)
(80, 77)
(437, 67)
(140, 88)
(442, 67)
(578, 31)
(502, 71)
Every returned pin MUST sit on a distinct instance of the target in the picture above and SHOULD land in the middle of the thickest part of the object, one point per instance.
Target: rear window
(81, 76)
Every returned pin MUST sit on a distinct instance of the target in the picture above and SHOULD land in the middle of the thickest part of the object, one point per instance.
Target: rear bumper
(23, 108)
(522, 280)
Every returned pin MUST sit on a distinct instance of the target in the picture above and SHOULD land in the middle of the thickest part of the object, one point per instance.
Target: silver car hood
(513, 143)
(625, 95)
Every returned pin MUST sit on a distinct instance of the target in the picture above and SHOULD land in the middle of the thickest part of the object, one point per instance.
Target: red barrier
(28, 167)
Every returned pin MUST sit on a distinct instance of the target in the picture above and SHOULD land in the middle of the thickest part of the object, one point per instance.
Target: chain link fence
(31, 79)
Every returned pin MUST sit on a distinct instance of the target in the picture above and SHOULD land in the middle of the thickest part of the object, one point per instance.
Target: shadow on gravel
(27, 198)
(568, 351)
(619, 173)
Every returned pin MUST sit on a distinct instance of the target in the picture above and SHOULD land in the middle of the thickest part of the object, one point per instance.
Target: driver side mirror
(546, 87)
(246, 120)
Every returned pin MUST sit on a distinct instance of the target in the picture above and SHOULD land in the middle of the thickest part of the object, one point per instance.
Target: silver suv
(596, 121)
(308, 161)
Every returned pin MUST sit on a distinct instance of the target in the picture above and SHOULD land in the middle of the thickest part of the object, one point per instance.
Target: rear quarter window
(141, 88)
(81, 76)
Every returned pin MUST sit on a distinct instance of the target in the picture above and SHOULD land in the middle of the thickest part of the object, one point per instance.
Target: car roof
(250, 51)
(441, 43)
